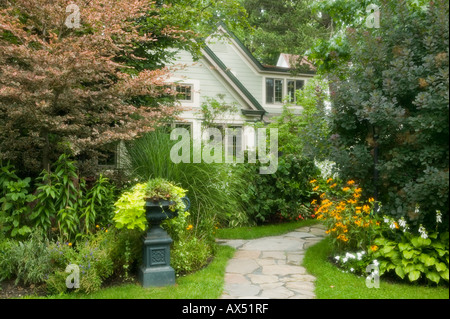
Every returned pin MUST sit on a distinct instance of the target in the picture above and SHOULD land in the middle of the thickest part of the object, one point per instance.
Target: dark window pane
(269, 91)
(291, 90)
(278, 91)
(184, 92)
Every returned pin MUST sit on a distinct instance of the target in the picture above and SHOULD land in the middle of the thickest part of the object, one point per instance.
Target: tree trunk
(46, 152)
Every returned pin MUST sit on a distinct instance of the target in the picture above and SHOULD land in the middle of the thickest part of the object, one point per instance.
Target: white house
(228, 69)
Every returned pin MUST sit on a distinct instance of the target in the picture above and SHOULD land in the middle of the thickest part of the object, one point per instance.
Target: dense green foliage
(59, 202)
(283, 193)
(390, 109)
(282, 27)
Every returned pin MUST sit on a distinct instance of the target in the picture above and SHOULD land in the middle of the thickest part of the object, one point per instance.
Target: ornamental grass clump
(349, 218)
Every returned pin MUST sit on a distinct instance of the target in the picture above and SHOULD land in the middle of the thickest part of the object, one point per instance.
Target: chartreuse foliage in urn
(130, 210)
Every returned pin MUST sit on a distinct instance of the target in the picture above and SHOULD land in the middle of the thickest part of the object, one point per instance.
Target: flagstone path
(270, 267)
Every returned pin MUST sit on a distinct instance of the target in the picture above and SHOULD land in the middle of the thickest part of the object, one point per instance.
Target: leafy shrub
(56, 283)
(306, 133)
(15, 208)
(63, 204)
(283, 192)
(15, 197)
(98, 204)
(93, 257)
(6, 260)
(125, 249)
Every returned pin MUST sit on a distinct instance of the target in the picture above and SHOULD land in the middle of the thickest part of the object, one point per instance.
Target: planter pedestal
(155, 270)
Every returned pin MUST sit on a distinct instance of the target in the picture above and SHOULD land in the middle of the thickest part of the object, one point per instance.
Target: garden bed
(9, 290)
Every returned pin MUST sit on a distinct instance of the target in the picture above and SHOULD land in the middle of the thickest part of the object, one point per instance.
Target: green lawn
(208, 283)
(262, 231)
(331, 283)
(204, 284)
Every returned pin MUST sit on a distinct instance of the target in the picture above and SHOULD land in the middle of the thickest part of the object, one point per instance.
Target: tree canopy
(285, 26)
(61, 85)
(80, 77)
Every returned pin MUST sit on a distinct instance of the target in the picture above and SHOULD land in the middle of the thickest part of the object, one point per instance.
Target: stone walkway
(270, 267)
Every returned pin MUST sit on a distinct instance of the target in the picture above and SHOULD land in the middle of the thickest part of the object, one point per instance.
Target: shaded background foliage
(390, 111)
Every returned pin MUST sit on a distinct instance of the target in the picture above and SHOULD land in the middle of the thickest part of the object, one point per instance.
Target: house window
(234, 140)
(108, 156)
(184, 92)
(270, 91)
(274, 91)
(292, 87)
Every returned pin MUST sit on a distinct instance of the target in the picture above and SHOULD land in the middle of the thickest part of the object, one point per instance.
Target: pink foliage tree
(63, 82)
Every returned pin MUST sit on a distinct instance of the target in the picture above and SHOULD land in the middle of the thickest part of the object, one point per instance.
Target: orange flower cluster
(345, 214)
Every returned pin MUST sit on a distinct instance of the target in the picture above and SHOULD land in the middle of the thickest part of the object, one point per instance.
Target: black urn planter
(155, 270)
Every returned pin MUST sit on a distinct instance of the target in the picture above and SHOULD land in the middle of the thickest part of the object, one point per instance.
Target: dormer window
(282, 90)
(274, 91)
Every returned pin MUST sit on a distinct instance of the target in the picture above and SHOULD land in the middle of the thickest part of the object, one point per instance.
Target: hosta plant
(414, 257)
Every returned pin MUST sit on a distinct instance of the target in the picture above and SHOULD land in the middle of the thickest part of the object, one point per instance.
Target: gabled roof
(290, 60)
(257, 109)
(254, 102)
(257, 64)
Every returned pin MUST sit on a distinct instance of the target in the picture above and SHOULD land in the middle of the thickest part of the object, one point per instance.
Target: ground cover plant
(335, 283)
(59, 202)
(207, 283)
